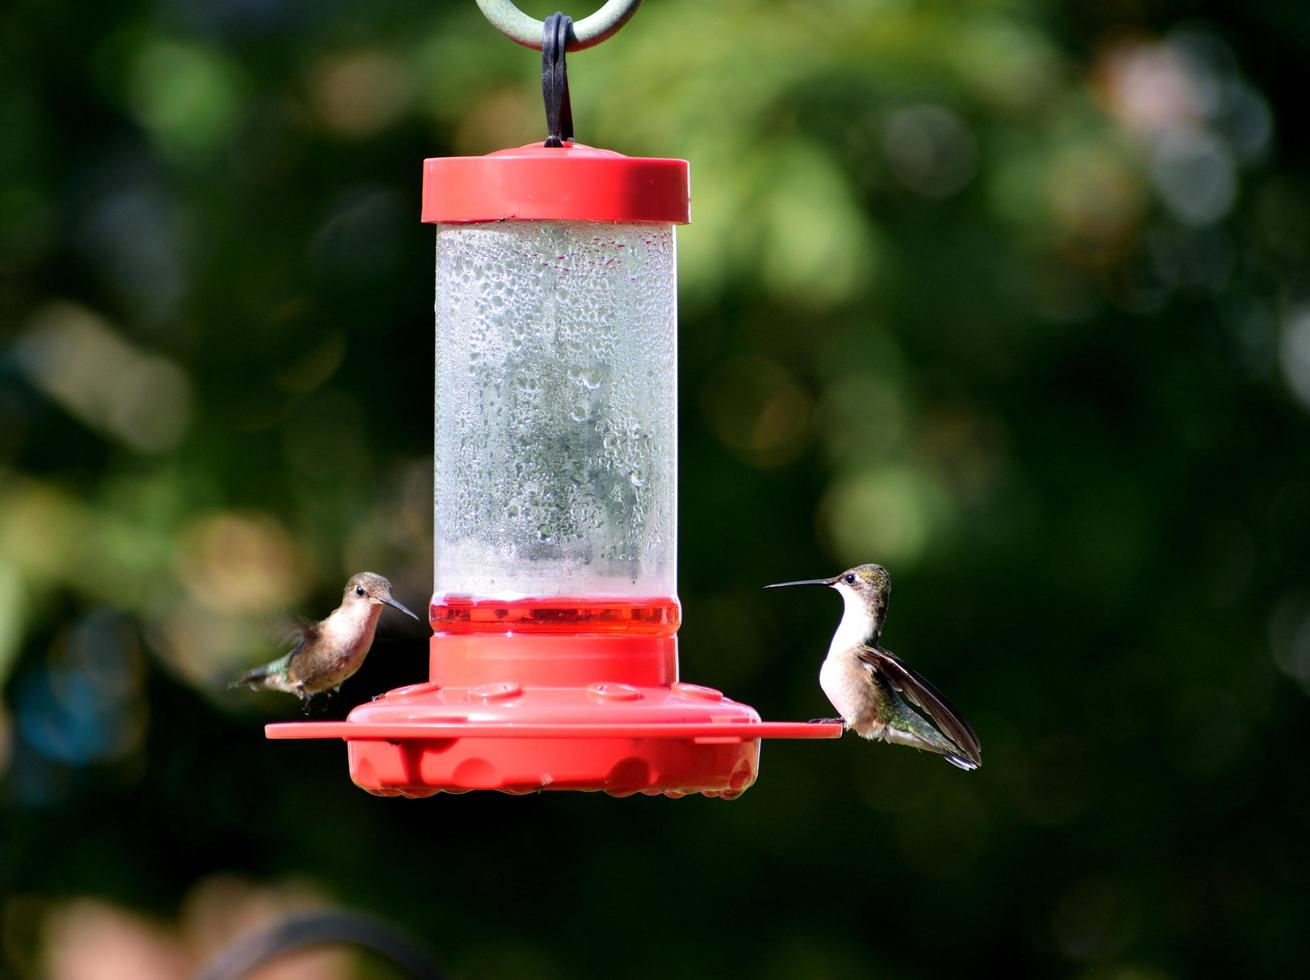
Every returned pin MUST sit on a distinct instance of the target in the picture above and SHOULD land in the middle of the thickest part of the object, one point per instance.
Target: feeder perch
(554, 659)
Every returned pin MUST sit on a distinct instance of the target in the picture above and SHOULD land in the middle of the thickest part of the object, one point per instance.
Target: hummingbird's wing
(909, 682)
(303, 633)
(293, 631)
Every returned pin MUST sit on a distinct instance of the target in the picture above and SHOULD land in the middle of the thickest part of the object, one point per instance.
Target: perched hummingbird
(869, 686)
(329, 651)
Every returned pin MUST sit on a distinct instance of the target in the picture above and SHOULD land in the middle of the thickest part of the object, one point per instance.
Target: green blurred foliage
(1010, 296)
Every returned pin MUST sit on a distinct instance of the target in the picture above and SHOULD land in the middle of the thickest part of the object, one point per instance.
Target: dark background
(1010, 297)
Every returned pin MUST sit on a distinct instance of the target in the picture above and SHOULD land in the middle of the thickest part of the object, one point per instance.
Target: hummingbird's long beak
(804, 581)
(394, 604)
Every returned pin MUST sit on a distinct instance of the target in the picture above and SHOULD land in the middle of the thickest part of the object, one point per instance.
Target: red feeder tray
(522, 713)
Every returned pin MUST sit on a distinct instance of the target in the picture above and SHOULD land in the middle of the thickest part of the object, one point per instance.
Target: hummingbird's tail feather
(251, 678)
(907, 728)
(265, 675)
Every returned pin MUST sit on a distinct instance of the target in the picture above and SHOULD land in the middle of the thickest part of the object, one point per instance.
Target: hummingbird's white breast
(349, 631)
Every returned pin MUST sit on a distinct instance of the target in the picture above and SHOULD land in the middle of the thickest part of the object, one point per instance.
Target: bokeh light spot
(88, 939)
(757, 410)
(1095, 919)
(240, 563)
(41, 528)
(887, 514)
(360, 93)
(815, 249)
(498, 118)
(74, 356)
(1289, 637)
(6, 739)
(1097, 199)
(1147, 86)
(1194, 174)
(84, 704)
(187, 96)
(1294, 353)
(929, 149)
(13, 600)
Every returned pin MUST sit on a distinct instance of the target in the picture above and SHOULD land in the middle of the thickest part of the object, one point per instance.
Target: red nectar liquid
(622, 615)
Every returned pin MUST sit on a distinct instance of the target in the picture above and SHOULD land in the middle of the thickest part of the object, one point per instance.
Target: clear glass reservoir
(555, 427)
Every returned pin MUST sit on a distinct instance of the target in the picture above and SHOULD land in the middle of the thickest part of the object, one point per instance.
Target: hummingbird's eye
(359, 591)
(850, 578)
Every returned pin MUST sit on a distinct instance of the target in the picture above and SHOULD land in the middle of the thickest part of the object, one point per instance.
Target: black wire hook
(556, 34)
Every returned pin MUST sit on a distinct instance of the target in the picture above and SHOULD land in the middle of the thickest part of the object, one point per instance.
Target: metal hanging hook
(518, 26)
(556, 38)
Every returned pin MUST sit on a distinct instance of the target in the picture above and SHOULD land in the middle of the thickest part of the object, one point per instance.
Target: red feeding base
(540, 708)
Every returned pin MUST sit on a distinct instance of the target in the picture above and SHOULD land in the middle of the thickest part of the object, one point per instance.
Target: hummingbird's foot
(827, 721)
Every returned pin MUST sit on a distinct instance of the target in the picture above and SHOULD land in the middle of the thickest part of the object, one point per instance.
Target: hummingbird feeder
(554, 657)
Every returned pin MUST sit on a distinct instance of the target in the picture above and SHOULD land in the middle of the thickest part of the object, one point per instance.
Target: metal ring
(518, 26)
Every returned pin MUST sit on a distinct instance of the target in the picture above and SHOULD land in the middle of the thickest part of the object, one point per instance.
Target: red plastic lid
(568, 183)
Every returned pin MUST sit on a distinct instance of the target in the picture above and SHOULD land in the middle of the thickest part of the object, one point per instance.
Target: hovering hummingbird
(329, 651)
(869, 686)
